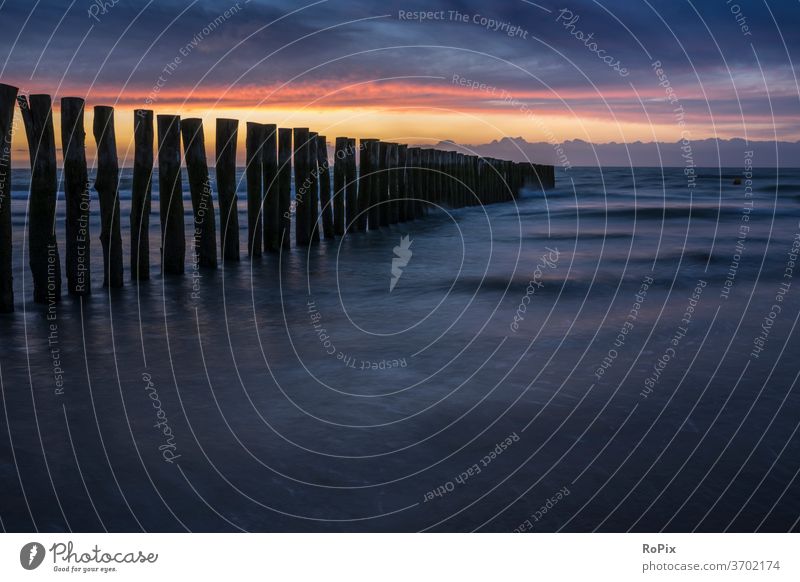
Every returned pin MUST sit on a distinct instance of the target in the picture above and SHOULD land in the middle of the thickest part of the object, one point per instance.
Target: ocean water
(616, 354)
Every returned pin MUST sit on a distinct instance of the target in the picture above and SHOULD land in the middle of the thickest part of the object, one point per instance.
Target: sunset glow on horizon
(424, 81)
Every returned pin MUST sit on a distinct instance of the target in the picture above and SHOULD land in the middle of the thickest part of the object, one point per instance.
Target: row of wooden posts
(394, 183)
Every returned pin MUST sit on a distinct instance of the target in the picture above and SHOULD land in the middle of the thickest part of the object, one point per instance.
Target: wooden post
(474, 186)
(340, 162)
(455, 166)
(422, 182)
(141, 194)
(205, 234)
(325, 202)
(463, 165)
(419, 183)
(301, 186)
(452, 178)
(463, 186)
(227, 135)
(269, 166)
(383, 185)
(351, 185)
(107, 185)
(285, 187)
(460, 198)
(76, 197)
(255, 131)
(487, 180)
(374, 182)
(436, 176)
(423, 179)
(412, 209)
(481, 181)
(465, 177)
(368, 214)
(313, 191)
(45, 263)
(447, 180)
(8, 96)
(393, 177)
(402, 188)
(170, 195)
(433, 178)
(462, 179)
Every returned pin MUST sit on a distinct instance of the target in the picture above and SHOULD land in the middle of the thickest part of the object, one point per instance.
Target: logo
(31, 555)
(402, 256)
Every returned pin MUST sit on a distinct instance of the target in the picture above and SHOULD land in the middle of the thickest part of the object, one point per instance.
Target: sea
(615, 354)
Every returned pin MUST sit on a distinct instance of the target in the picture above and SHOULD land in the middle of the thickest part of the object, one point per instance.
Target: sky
(421, 72)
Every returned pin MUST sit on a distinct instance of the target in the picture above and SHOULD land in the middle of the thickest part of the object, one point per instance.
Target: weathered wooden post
(382, 199)
(474, 185)
(285, 187)
(491, 180)
(462, 180)
(447, 179)
(8, 96)
(507, 182)
(205, 235)
(481, 184)
(421, 183)
(463, 164)
(269, 166)
(462, 185)
(436, 176)
(412, 194)
(107, 185)
(76, 196)
(403, 202)
(502, 181)
(367, 210)
(392, 177)
(45, 263)
(351, 182)
(141, 194)
(466, 169)
(486, 176)
(227, 135)
(444, 178)
(313, 191)
(253, 172)
(498, 166)
(325, 202)
(489, 177)
(429, 175)
(458, 178)
(339, 176)
(374, 181)
(301, 185)
(452, 179)
(424, 179)
(170, 195)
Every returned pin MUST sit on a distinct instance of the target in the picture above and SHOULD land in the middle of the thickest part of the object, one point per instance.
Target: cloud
(363, 54)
